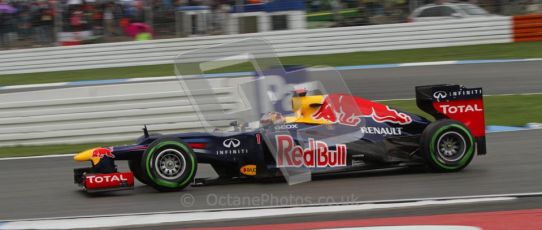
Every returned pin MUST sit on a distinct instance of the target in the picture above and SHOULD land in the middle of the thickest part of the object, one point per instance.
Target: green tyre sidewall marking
(165, 183)
(465, 158)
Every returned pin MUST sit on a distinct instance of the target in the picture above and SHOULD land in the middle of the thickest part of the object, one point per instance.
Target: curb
(139, 219)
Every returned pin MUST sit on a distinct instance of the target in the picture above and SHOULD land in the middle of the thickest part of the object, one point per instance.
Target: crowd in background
(37, 22)
(27, 20)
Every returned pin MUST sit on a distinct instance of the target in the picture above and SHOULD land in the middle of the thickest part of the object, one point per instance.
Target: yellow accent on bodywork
(248, 170)
(87, 156)
(301, 106)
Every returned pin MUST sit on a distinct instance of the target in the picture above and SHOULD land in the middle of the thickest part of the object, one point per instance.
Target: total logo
(317, 154)
(385, 131)
(453, 109)
(92, 179)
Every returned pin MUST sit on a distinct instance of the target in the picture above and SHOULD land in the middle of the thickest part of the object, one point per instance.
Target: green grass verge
(23, 151)
(500, 110)
(494, 51)
(328, 15)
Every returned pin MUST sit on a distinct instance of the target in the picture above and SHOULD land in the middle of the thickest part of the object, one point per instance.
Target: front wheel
(169, 164)
(139, 172)
(447, 145)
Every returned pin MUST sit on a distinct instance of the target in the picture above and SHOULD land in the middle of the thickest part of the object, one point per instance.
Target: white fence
(286, 43)
(106, 113)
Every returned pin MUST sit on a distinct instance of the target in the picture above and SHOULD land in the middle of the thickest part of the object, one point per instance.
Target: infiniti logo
(231, 143)
(439, 95)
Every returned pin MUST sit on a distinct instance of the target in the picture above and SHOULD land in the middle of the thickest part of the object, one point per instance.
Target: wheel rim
(170, 164)
(451, 146)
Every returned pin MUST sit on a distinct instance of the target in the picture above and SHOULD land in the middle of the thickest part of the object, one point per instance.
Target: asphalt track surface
(41, 188)
(396, 83)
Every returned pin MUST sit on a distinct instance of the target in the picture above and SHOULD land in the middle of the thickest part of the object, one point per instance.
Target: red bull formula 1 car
(377, 137)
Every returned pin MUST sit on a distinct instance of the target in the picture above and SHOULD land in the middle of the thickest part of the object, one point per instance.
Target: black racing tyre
(137, 170)
(169, 164)
(447, 146)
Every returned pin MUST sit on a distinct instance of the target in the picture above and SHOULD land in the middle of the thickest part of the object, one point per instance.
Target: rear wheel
(169, 164)
(447, 145)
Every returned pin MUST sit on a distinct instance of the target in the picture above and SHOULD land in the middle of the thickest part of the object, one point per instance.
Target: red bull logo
(347, 110)
(101, 152)
(317, 154)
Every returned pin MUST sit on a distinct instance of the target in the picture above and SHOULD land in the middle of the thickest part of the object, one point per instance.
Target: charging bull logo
(101, 152)
(347, 110)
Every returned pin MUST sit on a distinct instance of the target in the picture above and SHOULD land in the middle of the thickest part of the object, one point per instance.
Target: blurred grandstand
(42, 23)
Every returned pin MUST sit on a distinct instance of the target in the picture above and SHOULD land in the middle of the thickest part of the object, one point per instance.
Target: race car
(324, 134)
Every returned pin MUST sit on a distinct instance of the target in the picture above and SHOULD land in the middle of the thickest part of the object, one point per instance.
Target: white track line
(36, 157)
(393, 201)
(513, 94)
(412, 64)
(161, 218)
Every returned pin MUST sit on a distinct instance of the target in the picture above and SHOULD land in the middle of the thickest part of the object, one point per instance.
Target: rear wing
(456, 102)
